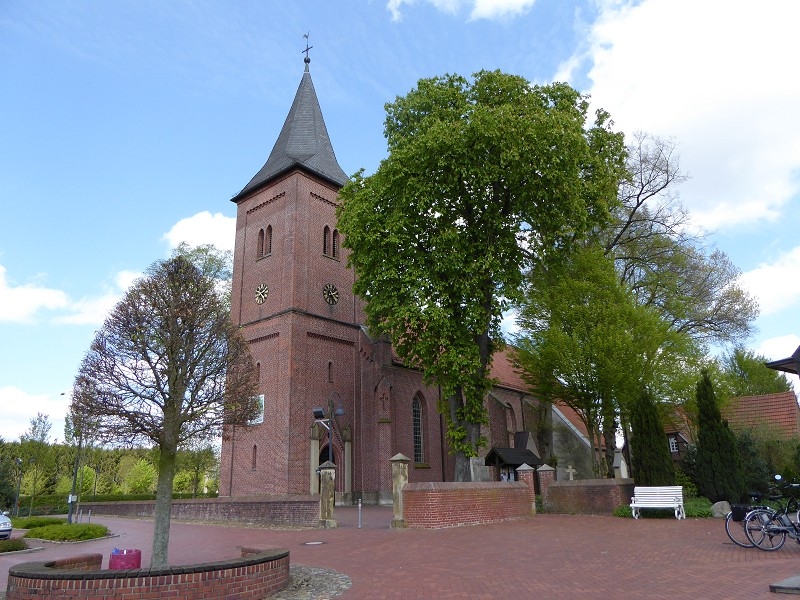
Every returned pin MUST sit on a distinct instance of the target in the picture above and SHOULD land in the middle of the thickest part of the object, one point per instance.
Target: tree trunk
(166, 474)
(462, 472)
(609, 437)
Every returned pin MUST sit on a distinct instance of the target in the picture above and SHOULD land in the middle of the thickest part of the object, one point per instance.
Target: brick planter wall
(302, 511)
(258, 574)
(587, 496)
(435, 505)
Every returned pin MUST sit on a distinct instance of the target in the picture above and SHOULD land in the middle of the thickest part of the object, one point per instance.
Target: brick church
(292, 297)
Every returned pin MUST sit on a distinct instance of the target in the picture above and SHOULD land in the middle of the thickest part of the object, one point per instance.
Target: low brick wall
(435, 505)
(258, 574)
(587, 496)
(296, 510)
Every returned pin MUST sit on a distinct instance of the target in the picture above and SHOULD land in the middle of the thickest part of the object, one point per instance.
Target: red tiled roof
(504, 372)
(778, 411)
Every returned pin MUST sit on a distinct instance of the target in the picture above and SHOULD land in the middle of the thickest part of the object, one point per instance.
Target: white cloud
(89, 311)
(203, 228)
(20, 304)
(500, 9)
(722, 81)
(779, 347)
(776, 285)
(480, 9)
(19, 407)
(124, 279)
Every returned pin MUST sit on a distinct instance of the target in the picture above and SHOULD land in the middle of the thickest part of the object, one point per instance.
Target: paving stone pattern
(546, 556)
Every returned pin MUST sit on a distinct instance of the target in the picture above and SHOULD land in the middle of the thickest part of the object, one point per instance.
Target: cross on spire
(306, 59)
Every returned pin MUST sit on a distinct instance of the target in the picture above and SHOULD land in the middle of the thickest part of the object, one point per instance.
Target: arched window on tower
(330, 371)
(416, 417)
(326, 240)
(335, 243)
(268, 241)
(260, 249)
(255, 457)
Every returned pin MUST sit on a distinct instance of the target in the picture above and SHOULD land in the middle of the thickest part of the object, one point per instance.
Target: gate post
(327, 476)
(399, 480)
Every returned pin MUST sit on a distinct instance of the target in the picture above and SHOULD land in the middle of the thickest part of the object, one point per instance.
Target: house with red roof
(779, 413)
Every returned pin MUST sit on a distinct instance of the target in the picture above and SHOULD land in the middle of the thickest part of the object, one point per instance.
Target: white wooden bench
(669, 496)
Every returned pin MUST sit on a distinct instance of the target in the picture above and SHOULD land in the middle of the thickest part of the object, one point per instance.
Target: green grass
(13, 545)
(68, 533)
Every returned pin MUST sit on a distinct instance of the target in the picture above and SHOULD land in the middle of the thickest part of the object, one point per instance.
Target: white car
(5, 527)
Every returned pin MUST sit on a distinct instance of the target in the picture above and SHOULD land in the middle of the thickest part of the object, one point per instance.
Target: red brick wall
(587, 496)
(436, 505)
(259, 573)
(295, 511)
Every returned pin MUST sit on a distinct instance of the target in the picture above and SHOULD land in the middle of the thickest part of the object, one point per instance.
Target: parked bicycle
(736, 520)
(768, 528)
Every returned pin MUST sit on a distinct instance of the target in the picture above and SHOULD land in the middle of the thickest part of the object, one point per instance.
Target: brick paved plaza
(546, 556)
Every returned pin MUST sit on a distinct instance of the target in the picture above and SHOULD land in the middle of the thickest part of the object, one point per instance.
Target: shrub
(689, 488)
(13, 545)
(623, 510)
(68, 533)
(32, 522)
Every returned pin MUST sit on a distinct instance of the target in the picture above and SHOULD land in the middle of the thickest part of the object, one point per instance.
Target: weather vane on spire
(306, 59)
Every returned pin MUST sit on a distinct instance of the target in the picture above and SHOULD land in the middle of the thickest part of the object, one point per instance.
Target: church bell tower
(292, 298)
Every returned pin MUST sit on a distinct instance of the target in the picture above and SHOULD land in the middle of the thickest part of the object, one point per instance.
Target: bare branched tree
(167, 366)
(659, 258)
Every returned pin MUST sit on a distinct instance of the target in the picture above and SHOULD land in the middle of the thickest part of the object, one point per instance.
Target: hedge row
(56, 504)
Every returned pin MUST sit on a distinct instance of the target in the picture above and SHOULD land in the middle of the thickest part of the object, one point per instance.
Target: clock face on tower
(262, 291)
(331, 294)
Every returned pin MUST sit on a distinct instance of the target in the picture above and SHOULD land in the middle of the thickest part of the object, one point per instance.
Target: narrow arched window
(335, 243)
(255, 457)
(268, 241)
(330, 372)
(258, 373)
(326, 240)
(260, 249)
(416, 417)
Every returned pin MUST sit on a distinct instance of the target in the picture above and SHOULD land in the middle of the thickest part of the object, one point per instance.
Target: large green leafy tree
(718, 468)
(743, 373)
(585, 341)
(485, 179)
(38, 458)
(167, 366)
(650, 456)
(7, 477)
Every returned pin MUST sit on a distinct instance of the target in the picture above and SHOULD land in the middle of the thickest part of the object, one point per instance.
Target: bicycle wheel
(736, 531)
(765, 530)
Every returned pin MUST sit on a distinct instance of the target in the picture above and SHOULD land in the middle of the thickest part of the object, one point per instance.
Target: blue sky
(127, 126)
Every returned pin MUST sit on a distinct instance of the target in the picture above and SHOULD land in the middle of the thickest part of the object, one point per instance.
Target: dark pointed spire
(303, 142)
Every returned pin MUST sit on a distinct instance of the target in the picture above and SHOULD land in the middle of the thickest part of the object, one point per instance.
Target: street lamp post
(72, 496)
